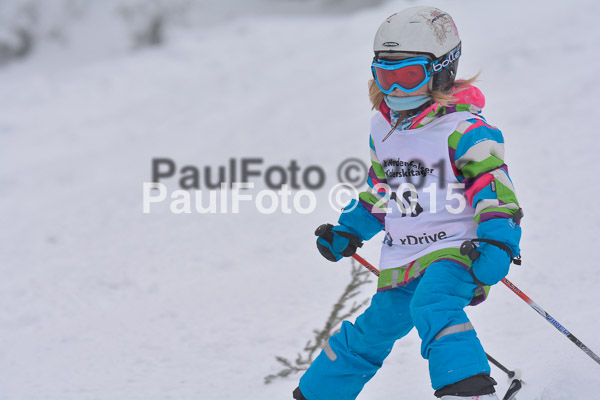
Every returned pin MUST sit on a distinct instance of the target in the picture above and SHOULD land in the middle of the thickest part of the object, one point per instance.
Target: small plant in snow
(340, 312)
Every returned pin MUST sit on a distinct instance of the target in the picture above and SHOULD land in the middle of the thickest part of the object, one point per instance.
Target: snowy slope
(101, 301)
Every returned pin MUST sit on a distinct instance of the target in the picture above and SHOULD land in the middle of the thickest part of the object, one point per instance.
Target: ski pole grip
(469, 249)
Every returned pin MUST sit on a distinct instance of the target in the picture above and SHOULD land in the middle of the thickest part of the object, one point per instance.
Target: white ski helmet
(421, 31)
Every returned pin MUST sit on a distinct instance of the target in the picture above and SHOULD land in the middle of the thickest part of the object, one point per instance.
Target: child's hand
(493, 262)
(335, 242)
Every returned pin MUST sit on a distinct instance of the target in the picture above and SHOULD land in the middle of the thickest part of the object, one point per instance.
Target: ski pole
(500, 366)
(551, 320)
(468, 248)
(365, 264)
(516, 383)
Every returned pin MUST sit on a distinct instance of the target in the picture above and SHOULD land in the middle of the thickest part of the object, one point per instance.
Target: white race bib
(428, 210)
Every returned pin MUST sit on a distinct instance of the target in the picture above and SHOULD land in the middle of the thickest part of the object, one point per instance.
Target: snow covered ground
(101, 301)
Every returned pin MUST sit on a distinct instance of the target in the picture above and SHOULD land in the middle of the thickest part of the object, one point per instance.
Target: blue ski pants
(433, 303)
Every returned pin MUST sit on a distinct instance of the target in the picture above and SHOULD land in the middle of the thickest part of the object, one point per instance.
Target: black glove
(338, 241)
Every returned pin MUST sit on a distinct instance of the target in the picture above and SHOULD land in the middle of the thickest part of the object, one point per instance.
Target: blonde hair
(445, 99)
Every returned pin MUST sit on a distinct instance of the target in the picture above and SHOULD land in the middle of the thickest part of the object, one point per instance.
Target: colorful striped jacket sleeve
(375, 199)
(477, 157)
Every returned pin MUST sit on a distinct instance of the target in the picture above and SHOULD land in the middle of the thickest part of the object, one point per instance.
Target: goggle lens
(408, 77)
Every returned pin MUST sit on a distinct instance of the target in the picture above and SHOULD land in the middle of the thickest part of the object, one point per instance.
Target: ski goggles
(407, 75)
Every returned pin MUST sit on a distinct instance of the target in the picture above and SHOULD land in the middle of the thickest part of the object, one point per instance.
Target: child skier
(437, 179)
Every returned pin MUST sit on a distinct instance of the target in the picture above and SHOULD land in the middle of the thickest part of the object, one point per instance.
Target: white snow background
(101, 301)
